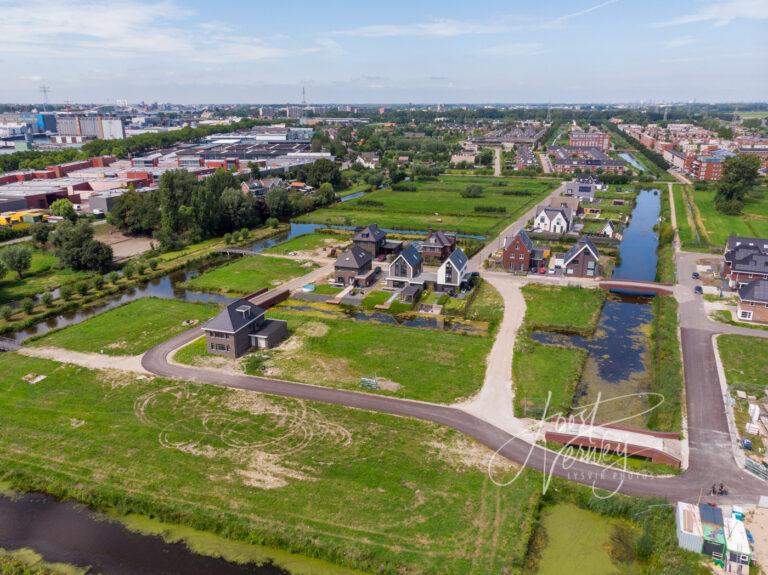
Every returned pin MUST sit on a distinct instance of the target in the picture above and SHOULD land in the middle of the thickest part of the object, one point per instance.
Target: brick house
(240, 327)
(516, 256)
(746, 260)
(753, 302)
(354, 267)
(438, 245)
(582, 260)
(372, 239)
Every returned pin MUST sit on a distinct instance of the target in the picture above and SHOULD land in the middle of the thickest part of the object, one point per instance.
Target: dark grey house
(353, 267)
(582, 260)
(405, 268)
(240, 327)
(371, 239)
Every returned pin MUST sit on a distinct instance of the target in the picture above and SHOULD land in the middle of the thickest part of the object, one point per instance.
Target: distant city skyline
(422, 52)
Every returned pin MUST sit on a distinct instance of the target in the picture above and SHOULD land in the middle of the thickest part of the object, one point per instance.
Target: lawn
(308, 243)
(665, 367)
(375, 298)
(439, 204)
(580, 541)
(687, 229)
(566, 309)
(130, 329)
(327, 289)
(745, 362)
(43, 275)
(248, 274)
(717, 226)
(368, 491)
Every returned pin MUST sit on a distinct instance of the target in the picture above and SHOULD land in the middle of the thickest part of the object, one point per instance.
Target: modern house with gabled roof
(240, 327)
(516, 256)
(582, 260)
(453, 272)
(354, 267)
(405, 268)
(746, 260)
(553, 220)
(753, 301)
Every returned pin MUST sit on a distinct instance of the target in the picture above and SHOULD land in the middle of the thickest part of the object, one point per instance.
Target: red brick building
(600, 140)
(517, 253)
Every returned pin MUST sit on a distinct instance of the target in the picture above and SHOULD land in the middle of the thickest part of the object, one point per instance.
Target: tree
(135, 213)
(325, 195)
(64, 209)
(237, 210)
(278, 202)
(3, 269)
(17, 258)
(472, 191)
(40, 232)
(740, 176)
(46, 298)
(323, 171)
(76, 248)
(255, 172)
(485, 157)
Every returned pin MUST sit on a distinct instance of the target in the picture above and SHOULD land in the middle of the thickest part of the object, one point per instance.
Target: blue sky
(394, 51)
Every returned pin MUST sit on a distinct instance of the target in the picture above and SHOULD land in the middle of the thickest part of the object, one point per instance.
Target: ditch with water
(616, 371)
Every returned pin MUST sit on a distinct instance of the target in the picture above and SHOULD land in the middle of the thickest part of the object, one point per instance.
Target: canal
(616, 370)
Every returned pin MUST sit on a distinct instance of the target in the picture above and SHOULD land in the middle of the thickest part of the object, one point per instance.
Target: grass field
(439, 204)
(375, 298)
(42, 275)
(745, 362)
(130, 329)
(580, 541)
(380, 493)
(702, 227)
(566, 309)
(308, 243)
(248, 274)
(665, 367)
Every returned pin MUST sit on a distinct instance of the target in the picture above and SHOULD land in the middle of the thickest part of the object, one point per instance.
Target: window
(522, 256)
(743, 314)
(448, 273)
(401, 268)
(219, 347)
(218, 334)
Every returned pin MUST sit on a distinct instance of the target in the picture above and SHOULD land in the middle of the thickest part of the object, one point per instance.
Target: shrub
(141, 267)
(244, 233)
(6, 312)
(113, 277)
(228, 238)
(128, 271)
(371, 203)
(153, 264)
(491, 209)
(403, 187)
(65, 292)
(98, 283)
(272, 222)
(28, 305)
(46, 298)
(82, 288)
(472, 191)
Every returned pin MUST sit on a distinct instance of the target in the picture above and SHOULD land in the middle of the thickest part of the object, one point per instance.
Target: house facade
(354, 267)
(746, 260)
(582, 260)
(437, 245)
(582, 191)
(240, 327)
(516, 256)
(553, 220)
(453, 272)
(372, 239)
(406, 267)
(753, 302)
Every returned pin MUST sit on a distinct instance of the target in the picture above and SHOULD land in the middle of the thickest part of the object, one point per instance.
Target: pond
(66, 532)
(630, 159)
(617, 364)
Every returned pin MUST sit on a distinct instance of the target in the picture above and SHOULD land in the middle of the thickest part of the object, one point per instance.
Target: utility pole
(303, 96)
(45, 90)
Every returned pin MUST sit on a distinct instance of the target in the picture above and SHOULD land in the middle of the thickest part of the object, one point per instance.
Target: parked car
(695, 275)
(698, 289)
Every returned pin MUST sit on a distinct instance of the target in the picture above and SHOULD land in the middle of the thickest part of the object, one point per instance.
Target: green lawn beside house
(308, 242)
(248, 274)
(358, 489)
(132, 328)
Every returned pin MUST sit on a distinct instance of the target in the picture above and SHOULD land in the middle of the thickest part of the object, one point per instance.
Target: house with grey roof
(553, 220)
(372, 239)
(406, 268)
(753, 301)
(453, 272)
(438, 245)
(240, 327)
(354, 267)
(582, 260)
(746, 260)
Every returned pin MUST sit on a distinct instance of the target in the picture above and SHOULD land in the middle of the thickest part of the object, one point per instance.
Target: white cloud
(678, 42)
(723, 12)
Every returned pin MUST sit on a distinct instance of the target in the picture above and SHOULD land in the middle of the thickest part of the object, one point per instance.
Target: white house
(553, 220)
(453, 271)
(368, 159)
(610, 229)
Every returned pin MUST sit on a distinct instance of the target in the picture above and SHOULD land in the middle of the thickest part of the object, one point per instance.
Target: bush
(370, 203)
(28, 305)
(403, 187)
(273, 222)
(128, 271)
(228, 238)
(472, 191)
(46, 298)
(82, 288)
(113, 277)
(491, 209)
(245, 233)
(141, 267)
(98, 283)
(153, 264)
(6, 312)
(66, 291)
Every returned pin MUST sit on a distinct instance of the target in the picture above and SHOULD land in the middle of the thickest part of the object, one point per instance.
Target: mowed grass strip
(132, 328)
(753, 222)
(563, 309)
(426, 364)
(745, 362)
(248, 274)
(370, 491)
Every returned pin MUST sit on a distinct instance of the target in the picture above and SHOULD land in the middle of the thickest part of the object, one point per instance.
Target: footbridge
(636, 287)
